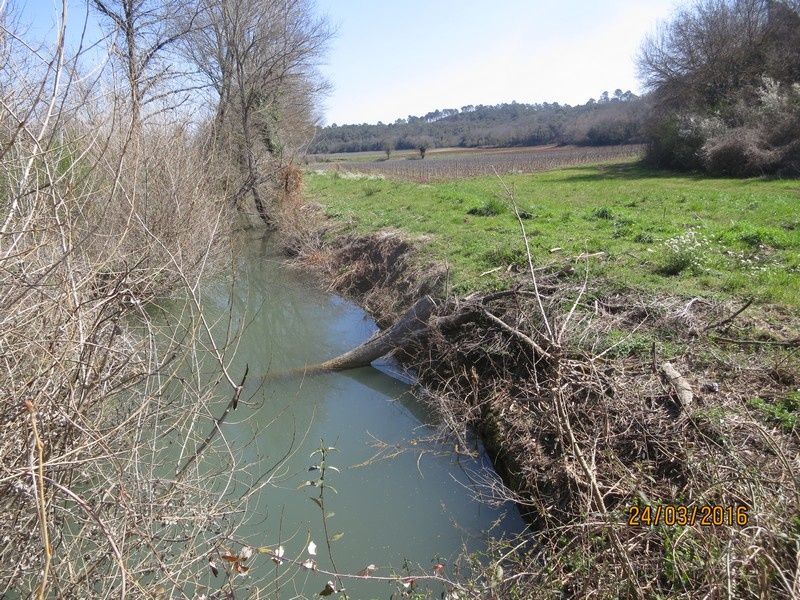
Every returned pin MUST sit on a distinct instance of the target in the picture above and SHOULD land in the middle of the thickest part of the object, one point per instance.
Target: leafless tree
(706, 69)
(142, 32)
(715, 47)
(259, 57)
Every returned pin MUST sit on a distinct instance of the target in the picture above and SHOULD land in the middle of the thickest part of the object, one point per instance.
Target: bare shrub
(736, 153)
(585, 430)
(96, 224)
(766, 141)
(732, 61)
(163, 209)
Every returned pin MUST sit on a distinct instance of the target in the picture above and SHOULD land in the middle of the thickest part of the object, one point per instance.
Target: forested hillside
(613, 119)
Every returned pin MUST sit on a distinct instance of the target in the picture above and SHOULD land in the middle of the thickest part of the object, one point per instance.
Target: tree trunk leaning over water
(416, 321)
(411, 324)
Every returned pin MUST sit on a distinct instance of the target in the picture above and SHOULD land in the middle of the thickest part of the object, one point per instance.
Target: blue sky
(41, 19)
(407, 57)
(396, 58)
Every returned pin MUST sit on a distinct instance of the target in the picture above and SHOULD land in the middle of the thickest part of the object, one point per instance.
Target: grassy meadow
(646, 230)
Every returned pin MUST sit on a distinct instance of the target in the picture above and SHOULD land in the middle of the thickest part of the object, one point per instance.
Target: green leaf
(337, 536)
(317, 501)
(330, 514)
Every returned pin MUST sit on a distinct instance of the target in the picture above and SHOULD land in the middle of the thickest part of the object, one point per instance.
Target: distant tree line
(724, 82)
(612, 119)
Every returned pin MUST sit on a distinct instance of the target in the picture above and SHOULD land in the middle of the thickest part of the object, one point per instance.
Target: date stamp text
(703, 515)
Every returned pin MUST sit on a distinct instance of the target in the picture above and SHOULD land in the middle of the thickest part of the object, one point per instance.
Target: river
(401, 498)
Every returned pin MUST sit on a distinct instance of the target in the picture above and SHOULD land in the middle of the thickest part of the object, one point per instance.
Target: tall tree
(258, 58)
(142, 32)
(716, 47)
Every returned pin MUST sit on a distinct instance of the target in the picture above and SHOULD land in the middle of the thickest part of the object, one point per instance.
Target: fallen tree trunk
(407, 327)
(416, 321)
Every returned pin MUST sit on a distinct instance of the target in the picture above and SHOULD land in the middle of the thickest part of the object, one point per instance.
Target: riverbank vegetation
(581, 307)
(119, 189)
(624, 339)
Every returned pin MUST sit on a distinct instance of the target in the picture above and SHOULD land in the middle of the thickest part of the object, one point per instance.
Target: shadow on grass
(638, 170)
(621, 172)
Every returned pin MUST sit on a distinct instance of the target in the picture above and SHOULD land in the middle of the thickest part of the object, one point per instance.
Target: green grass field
(660, 232)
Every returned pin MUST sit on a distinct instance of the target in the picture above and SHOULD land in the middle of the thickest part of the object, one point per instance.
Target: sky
(392, 59)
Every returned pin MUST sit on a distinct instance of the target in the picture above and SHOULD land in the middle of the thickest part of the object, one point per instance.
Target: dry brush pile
(584, 428)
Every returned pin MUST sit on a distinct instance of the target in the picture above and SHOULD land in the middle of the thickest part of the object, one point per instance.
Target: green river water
(414, 507)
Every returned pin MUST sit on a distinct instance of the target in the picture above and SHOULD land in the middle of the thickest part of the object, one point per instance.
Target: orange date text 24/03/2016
(704, 515)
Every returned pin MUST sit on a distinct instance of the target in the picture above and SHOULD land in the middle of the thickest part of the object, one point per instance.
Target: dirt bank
(575, 394)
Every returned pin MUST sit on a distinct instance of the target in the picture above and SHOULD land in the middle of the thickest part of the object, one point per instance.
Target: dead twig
(728, 320)
(517, 333)
(795, 343)
(37, 473)
(215, 429)
(528, 254)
